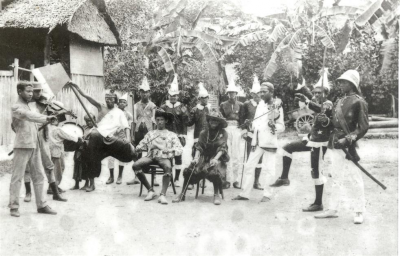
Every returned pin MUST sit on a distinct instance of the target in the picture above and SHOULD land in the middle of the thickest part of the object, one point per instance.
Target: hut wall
(86, 58)
(8, 96)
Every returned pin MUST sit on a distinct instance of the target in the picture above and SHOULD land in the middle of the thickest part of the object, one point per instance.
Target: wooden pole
(47, 50)
(83, 105)
(31, 76)
(133, 114)
(16, 65)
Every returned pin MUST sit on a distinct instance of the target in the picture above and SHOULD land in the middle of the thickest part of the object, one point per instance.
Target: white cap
(299, 86)
(145, 85)
(124, 97)
(174, 86)
(324, 79)
(256, 85)
(202, 91)
(232, 87)
(352, 76)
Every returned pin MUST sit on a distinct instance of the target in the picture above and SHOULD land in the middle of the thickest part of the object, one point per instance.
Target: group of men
(159, 135)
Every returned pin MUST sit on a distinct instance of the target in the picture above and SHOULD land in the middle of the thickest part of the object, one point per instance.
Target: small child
(80, 167)
(56, 142)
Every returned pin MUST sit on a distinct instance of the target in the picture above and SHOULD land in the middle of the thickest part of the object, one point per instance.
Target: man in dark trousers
(27, 150)
(316, 142)
(178, 124)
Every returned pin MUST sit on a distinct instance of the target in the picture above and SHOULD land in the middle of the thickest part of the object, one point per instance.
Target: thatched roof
(87, 18)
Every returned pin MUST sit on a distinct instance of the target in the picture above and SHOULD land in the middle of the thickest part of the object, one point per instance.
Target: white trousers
(343, 170)
(235, 152)
(268, 168)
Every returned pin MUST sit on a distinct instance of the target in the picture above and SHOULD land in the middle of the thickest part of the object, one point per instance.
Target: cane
(187, 185)
(244, 161)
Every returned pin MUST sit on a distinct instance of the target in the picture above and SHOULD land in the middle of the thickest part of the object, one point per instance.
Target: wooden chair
(202, 190)
(156, 170)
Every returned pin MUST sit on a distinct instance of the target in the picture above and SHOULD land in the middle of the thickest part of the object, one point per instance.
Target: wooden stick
(83, 105)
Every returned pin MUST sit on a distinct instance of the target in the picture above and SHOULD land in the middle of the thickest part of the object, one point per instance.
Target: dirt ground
(113, 220)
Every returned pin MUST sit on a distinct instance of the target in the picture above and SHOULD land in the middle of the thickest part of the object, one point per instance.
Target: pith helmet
(352, 76)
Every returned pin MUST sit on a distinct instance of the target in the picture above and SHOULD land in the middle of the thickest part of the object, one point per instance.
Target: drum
(72, 129)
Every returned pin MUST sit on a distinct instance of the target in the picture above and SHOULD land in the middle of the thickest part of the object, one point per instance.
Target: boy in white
(268, 122)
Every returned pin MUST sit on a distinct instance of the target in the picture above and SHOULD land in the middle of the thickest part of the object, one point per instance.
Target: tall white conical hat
(145, 85)
(202, 91)
(174, 90)
(232, 87)
(256, 85)
(323, 80)
(299, 86)
(124, 97)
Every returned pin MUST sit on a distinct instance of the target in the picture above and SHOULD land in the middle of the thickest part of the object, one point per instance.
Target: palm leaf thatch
(87, 18)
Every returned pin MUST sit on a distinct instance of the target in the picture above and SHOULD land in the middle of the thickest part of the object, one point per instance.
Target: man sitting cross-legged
(162, 145)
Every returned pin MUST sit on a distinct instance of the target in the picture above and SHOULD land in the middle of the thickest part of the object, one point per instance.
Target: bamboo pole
(384, 124)
(16, 66)
(83, 105)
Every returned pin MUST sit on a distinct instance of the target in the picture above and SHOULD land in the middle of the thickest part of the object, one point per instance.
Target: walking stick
(187, 185)
(244, 161)
(362, 169)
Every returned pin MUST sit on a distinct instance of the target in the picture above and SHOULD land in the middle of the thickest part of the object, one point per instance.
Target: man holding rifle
(350, 121)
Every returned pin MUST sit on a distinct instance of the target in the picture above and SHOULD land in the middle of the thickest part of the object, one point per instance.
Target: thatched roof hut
(70, 32)
(85, 18)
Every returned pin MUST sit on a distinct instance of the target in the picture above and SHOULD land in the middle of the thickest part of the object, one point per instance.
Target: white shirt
(115, 119)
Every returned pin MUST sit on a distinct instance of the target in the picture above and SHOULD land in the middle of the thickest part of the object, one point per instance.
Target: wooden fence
(8, 95)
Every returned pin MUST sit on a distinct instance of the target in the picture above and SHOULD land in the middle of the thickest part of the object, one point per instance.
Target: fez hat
(215, 115)
(36, 85)
(352, 76)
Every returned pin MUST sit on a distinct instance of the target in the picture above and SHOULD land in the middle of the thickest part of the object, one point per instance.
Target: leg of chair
(197, 189)
(172, 183)
(204, 183)
(221, 190)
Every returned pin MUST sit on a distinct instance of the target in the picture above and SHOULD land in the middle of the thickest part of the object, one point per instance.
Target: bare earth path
(113, 220)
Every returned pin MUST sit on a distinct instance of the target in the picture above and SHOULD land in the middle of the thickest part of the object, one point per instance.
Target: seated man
(162, 145)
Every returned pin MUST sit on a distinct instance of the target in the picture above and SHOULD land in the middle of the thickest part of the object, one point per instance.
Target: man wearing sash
(268, 122)
(179, 123)
(230, 111)
(350, 123)
(316, 142)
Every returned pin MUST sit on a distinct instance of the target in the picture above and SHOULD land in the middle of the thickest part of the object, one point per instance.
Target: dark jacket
(181, 117)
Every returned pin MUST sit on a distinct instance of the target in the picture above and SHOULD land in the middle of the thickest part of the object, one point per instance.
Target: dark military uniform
(197, 118)
(178, 126)
(349, 120)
